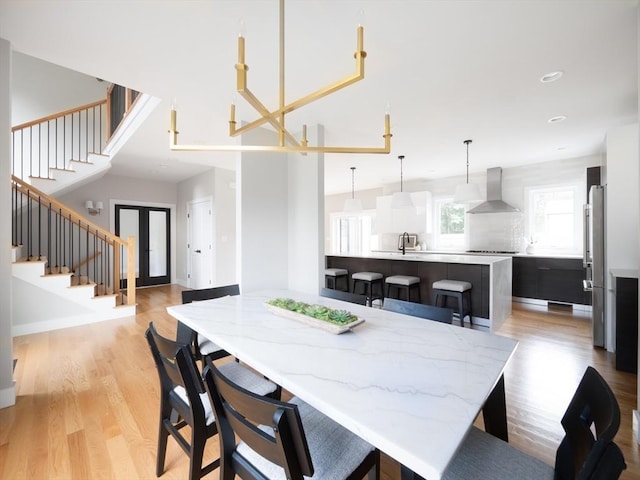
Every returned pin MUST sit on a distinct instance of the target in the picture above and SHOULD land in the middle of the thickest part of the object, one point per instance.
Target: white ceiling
(450, 70)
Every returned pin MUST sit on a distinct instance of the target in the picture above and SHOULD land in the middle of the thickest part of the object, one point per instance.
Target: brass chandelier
(276, 118)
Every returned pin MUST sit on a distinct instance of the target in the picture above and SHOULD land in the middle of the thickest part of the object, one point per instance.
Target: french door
(151, 228)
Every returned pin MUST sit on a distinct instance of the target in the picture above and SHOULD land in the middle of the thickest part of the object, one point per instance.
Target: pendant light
(352, 205)
(467, 192)
(401, 199)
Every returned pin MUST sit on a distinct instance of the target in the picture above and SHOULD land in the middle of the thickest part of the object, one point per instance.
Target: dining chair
(203, 346)
(279, 440)
(430, 312)
(587, 451)
(344, 296)
(181, 391)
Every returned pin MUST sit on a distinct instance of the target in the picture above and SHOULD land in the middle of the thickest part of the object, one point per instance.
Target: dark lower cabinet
(551, 279)
(626, 291)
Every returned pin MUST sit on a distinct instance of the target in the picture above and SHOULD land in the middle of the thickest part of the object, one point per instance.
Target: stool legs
(368, 289)
(459, 296)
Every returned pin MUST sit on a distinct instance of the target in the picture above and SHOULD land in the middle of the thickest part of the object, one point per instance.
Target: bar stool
(402, 283)
(333, 275)
(369, 280)
(459, 290)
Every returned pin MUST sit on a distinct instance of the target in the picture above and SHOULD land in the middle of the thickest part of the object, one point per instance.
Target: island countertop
(417, 256)
(490, 277)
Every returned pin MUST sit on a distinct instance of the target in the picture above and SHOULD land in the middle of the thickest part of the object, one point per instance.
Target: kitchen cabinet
(626, 314)
(550, 278)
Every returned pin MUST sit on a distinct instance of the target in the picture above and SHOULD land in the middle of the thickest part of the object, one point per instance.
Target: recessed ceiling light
(551, 76)
(559, 118)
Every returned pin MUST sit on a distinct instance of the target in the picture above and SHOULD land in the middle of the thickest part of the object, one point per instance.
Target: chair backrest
(189, 296)
(344, 296)
(280, 437)
(582, 454)
(186, 335)
(430, 312)
(172, 375)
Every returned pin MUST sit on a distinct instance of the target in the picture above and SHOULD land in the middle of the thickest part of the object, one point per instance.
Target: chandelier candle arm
(287, 142)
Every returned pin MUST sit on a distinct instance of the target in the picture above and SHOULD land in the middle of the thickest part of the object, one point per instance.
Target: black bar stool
(459, 290)
(369, 280)
(402, 283)
(333, 275)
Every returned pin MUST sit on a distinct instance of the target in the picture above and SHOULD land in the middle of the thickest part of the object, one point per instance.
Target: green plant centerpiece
(339, 318)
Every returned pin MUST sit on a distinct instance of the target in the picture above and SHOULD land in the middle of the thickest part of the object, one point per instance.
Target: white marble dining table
(409, 386)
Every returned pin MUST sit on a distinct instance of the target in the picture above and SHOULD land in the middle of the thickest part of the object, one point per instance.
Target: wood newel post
(131, 270)
(116, 267)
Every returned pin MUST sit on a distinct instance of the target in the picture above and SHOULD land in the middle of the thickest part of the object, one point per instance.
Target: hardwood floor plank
(88, 397)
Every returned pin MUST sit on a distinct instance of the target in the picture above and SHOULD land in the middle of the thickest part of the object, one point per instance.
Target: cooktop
(504, 252)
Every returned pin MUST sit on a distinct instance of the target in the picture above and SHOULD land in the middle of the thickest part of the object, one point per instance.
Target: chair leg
(163, 436)
(198, 440)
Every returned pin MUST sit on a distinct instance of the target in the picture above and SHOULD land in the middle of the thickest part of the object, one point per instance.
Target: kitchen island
(490, 277)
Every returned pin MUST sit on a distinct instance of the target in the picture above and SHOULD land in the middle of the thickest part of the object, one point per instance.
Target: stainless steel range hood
(494, 203)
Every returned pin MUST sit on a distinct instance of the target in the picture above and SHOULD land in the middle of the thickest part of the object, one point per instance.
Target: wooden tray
(314, 322)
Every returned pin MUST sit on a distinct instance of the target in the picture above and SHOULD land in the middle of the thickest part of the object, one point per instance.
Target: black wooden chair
(581, 454)
(181, 391)
(344, 296)
(430, 312)
(203, 346)
(282, 440)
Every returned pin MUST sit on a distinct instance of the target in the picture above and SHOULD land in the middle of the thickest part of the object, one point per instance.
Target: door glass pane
(129, 226)
(157, 243)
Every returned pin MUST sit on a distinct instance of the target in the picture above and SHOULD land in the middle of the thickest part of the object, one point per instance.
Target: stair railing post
(131, 270)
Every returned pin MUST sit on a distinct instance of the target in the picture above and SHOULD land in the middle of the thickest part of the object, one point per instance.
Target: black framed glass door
(151, 228)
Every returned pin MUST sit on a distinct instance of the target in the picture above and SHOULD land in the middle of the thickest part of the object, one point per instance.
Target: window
(351, 234)
(449, 224)
(554, 217)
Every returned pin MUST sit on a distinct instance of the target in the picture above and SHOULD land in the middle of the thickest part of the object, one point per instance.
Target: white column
(306, 217)
(280, 216)
(7, 385)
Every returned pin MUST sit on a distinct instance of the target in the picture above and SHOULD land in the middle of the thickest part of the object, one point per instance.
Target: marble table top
(409, 386)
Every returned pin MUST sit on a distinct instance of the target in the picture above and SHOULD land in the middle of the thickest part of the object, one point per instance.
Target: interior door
(200, 244)
(151, 228)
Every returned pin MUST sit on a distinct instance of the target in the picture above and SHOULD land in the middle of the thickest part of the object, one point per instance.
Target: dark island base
(429, 272)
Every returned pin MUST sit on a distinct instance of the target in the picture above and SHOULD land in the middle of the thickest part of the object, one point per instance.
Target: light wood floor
(87, 405)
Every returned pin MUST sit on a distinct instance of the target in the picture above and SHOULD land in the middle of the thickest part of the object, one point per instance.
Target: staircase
(66, 270)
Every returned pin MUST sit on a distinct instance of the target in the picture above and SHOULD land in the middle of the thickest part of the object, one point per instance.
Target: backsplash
(496, 231)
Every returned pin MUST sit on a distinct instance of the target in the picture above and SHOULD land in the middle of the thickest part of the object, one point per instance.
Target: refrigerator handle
(585, 236)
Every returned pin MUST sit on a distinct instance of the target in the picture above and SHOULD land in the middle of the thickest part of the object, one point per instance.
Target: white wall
(515, 182)
(35, 79)
(306, 217)
(622, 205)
(7, 387)
(218, 184)
(225, 207)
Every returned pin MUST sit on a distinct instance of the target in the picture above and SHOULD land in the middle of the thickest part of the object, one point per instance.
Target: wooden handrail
(58, 115)
(38, 194)
(85, 261)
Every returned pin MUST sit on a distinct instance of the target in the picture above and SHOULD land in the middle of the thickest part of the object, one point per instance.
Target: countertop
(520, 254)
(624, 272)
(422, 256)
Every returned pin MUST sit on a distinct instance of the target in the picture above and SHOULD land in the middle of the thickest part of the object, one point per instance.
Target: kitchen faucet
(404, 242)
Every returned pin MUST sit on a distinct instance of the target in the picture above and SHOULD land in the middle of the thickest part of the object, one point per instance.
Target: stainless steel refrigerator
(593, 260)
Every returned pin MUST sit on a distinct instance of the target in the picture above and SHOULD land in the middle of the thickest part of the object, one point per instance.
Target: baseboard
(66, 322)
(636, 425)
(8, 396)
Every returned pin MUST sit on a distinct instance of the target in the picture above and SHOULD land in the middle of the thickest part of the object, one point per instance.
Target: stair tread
(70, 170)
(41, 178)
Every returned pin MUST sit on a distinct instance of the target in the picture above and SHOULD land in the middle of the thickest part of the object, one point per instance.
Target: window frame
(447, 242)
(579, 199)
